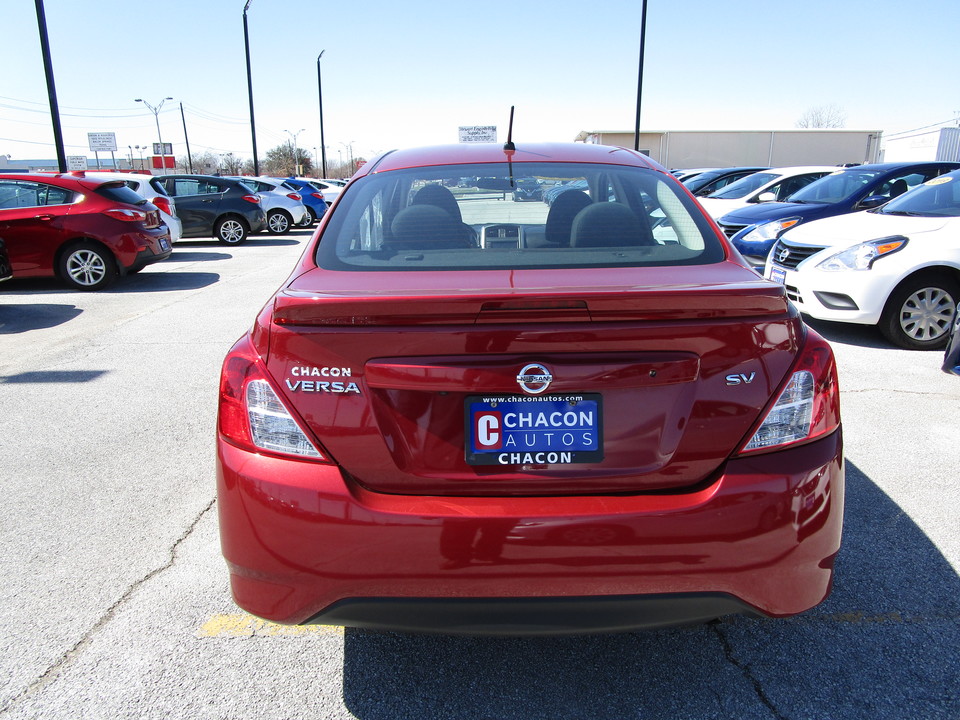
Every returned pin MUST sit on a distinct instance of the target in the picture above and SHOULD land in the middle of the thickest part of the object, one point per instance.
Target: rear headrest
(440, 197)
(424, 227)
(560, 218)
(609, 225)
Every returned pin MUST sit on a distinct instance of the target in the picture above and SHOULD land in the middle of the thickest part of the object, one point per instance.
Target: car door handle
(44, 217)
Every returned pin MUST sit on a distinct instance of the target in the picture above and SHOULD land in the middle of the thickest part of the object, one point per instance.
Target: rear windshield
(469, 217)
(119, 192)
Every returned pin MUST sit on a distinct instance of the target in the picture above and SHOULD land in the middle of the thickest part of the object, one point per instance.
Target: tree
(279, 161)
(823, 116)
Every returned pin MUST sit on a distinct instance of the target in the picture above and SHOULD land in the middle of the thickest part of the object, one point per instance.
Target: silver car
(283, 205)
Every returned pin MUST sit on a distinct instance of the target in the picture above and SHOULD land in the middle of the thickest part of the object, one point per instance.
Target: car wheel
(88, 266)
(231, 230)
(920, 311)
(312, 213)
(278, 222)
(307, 221)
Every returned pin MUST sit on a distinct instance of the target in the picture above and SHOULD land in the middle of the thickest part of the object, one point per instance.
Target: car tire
(87, 266)
(307, 220)
(231, 230)
(279, 222)
(920, 311)
(312, 213)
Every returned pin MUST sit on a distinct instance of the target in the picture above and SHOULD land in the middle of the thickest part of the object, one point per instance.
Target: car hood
(854, 228)
(765, 212)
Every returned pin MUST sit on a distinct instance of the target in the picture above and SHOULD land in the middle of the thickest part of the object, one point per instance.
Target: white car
(149, 187)
(897, 266)
(282, 204)
(765, 186)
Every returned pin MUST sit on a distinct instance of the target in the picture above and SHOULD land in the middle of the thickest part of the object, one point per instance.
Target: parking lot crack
(745, 669)
(71, 655)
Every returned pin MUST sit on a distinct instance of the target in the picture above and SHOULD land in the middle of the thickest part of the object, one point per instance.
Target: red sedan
(463, 413)
(82, 230)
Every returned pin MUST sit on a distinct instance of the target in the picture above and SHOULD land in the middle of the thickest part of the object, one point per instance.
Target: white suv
(149, 187)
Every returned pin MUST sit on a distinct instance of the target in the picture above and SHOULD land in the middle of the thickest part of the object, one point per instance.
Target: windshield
(589, 216)
(939, 197)
(835, 187)
(745, 186)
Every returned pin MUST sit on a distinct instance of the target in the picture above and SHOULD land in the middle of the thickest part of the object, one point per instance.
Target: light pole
(296, 164)
(349, 147)
(253, 127)
(140, 149)
(323, 144)
(156, 116)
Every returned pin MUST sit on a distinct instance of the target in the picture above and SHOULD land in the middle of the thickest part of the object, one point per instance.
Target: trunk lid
(676, 364)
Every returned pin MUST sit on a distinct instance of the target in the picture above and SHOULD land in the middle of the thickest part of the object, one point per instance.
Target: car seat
(560, 218)
(427, 227)
(609, 225)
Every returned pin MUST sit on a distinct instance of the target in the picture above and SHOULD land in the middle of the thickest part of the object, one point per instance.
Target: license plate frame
(778, 275)
(514, 430)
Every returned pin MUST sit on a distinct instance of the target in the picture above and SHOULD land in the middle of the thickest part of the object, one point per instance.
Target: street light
(140, 149)
(349, 146)
(156, 116)
(323, 144)
(296, 164)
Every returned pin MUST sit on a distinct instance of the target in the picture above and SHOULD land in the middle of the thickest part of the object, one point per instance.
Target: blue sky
(402, 74)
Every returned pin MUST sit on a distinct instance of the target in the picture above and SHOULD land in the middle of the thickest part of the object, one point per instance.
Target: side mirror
(767, 197)
(872, 202)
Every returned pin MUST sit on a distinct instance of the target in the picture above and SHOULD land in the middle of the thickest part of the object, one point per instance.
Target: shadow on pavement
(53, 376)
(849, 333)
(162, 282)
(18, 318)
(884, 645)
(189, 256)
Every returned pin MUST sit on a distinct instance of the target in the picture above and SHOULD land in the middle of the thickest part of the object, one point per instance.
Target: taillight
(163, 203)
(252, 198)
(808, 407)
(295, 196)
(126, 214)
(251, 414)
(318, 196)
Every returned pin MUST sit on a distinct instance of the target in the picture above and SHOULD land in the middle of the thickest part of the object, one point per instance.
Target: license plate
(534, 429)
(164, 245)
(778, 275)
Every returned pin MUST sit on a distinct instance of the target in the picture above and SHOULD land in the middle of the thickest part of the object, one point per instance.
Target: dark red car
(82, 230)
(464, 413)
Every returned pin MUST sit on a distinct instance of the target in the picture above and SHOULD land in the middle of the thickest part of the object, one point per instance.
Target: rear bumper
(305, 545)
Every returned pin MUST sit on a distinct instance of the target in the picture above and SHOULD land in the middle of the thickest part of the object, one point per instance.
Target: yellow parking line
(245, 625)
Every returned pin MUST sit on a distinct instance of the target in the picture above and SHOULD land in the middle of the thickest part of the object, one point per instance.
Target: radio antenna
(509, 146)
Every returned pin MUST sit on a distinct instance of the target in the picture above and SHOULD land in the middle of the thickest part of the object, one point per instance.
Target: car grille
(730, 230)
(789, 256)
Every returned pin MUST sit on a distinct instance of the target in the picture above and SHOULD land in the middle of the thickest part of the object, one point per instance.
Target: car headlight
(770, 230)
(862, 256)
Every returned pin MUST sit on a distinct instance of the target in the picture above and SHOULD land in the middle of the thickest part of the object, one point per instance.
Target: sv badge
(741, 379)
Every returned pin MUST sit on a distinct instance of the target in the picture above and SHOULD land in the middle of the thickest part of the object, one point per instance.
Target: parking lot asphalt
(115, 599)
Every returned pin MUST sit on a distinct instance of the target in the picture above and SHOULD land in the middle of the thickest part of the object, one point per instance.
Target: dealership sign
(102, 141)
(478, 133)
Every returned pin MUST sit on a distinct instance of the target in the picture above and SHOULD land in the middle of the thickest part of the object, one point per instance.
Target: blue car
(312, 198)
(754, 230)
